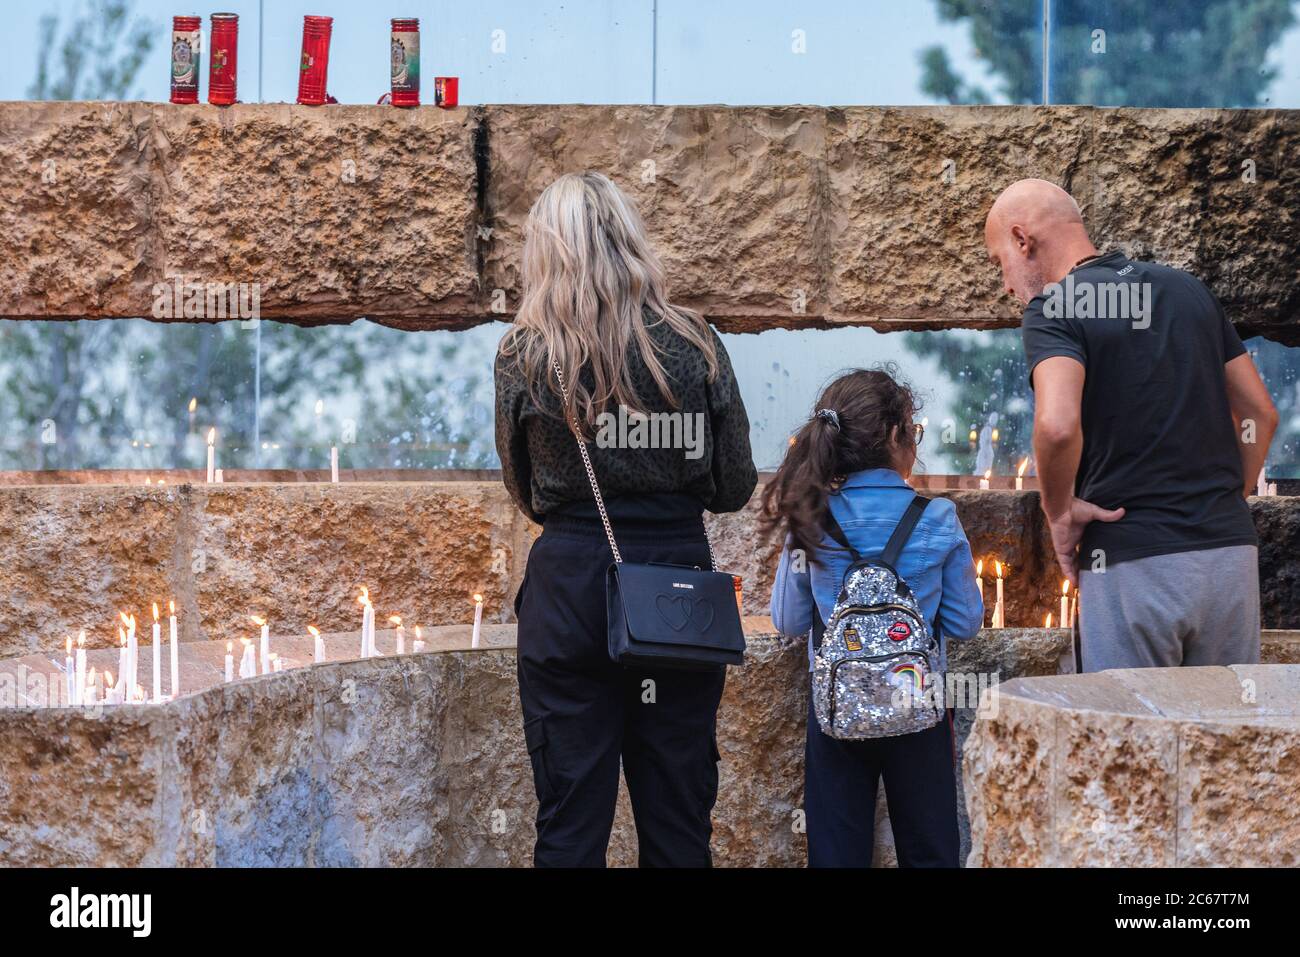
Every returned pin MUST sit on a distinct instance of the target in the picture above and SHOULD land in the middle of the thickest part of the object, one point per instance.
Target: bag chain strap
(595, 489)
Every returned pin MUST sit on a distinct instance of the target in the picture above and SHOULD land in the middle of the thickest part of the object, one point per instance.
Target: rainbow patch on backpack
(899, 631)
(852, 640)
(903, 675)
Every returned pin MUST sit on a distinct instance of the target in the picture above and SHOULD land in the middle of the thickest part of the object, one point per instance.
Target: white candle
(984, 482)
(91, 691)
(248, 660)
(979, 578)
(131, 677)
(334, 464)
(212, 455)
(230, 661)
(110, 689)
(1020, 475)
(220, 476)
(1065, 602)
(277, 664)
(478, 621)
(401, 633)
(70, 675)
(1261, 484)
(998, 610)
(264, 648)
(318, 652)
(81, 665)
(175, 652)
(1074, 609)
(121, 653)
(1272, 488)
(417, 646)
(157, 655)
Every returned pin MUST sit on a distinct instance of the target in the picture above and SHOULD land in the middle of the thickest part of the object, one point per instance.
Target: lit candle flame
(171, 608)
(125, 620)
(315, 632)
(396, 620)
(979, 568)
(258, 621)
(155, 611)
(364, 597)
(478, 599)
(245, 642)
(1024, 464)
(320, 406)
(121, 637)
(230, 646)
(418, 633)
(69, 644)
(995, 435)
(108, 678)
(1065, 586)
(194, 404)
(988, 474)
(1048, 623)
(974, 436)
(81, 639)
(998, 566)
(212, 436)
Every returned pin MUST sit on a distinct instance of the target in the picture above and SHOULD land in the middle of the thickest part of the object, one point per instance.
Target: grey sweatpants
(1186, 608)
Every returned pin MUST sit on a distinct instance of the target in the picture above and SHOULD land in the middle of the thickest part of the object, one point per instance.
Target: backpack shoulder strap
(837, 534)
(906, 524)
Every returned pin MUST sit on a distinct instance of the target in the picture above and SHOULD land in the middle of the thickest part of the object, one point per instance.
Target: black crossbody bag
(665, 615)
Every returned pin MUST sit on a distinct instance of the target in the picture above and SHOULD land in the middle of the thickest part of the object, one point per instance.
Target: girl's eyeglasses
(918, 433)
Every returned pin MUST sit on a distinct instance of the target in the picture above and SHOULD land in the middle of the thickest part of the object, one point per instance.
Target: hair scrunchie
(829, 415)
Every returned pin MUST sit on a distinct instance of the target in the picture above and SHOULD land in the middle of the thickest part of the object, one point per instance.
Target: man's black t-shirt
(1158, 435)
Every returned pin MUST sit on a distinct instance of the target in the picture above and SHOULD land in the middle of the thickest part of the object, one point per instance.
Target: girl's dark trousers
(583, 713)
(840, 780)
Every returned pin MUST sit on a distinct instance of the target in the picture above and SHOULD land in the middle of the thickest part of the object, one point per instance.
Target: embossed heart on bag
(675, 610)
(678, 611)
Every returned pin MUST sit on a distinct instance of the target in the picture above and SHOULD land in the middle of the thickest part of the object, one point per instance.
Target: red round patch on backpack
(899, 630)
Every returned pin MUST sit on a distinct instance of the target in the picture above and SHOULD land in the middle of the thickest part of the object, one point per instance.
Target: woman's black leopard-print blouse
(542, 469)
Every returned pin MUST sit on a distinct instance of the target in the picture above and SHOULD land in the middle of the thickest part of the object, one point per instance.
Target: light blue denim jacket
(936, 562)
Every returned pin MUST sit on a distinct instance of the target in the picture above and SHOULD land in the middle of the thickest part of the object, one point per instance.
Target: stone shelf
(390, 761)
(1161, 767)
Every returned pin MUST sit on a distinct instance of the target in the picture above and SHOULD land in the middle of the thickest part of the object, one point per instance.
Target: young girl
(852, 459)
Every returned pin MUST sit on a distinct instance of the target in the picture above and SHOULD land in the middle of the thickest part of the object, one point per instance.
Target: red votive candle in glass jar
(315, 59)
(223, 62)
(405, 54)
(185, 59)
(446, 91)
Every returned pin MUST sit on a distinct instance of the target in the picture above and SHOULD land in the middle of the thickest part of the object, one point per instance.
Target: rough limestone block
(766, 216)
(1135, 768)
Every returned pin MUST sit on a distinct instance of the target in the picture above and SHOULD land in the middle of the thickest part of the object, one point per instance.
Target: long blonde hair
(588, 272)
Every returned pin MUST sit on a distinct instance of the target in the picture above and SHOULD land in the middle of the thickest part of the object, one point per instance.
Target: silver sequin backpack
(875, 671)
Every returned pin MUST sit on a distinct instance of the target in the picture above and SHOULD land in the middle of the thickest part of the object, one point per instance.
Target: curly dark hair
(875, 413)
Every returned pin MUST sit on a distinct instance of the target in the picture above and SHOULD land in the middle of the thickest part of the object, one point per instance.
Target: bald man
(1149, 420)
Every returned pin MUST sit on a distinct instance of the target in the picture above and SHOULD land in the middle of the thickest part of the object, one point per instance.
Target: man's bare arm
(1058, 446)
(1254, 415)
(1058, 430)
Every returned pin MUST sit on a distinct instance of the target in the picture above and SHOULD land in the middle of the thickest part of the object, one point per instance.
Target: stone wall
(1165, 767)
(73, 556)
(391, 761)
(864, 215)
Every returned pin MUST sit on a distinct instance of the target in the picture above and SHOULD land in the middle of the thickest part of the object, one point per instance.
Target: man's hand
(1067, 529)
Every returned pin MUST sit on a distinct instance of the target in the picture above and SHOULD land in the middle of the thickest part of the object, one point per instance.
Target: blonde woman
(595, 315)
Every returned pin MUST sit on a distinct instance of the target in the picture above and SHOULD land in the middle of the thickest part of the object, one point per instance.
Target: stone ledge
(72, 556)
(753, 208)
(393, 761)
(1162, 767)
